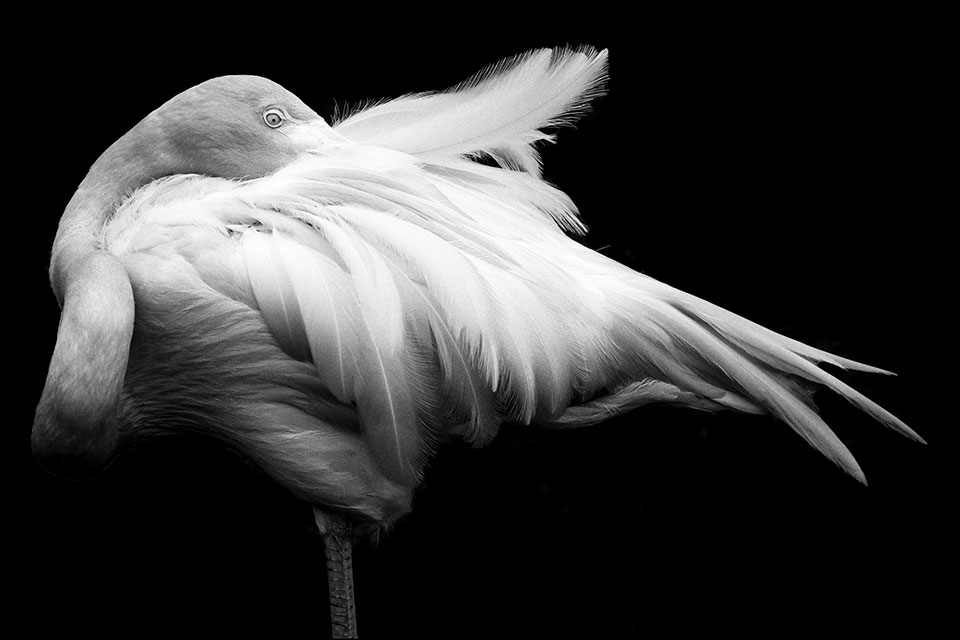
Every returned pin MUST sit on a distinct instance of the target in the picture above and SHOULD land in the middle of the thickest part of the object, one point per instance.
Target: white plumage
(382, 290)
(500, 112)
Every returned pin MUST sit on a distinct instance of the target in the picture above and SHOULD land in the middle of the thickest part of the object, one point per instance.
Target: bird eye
(273, 118)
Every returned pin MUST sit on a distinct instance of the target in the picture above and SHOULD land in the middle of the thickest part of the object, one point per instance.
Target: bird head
(239, 127)
(229, 127)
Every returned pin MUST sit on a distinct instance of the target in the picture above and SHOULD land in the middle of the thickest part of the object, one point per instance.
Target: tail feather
(687, 351)
(793, 358)
(766, 387)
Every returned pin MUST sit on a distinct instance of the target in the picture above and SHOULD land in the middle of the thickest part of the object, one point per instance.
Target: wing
(383, 271)
(445, 298)
(441, 295)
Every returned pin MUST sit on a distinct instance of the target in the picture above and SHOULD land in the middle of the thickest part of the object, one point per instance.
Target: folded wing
(439, 295)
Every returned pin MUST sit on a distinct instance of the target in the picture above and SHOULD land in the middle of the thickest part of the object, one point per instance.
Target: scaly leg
(337, 539)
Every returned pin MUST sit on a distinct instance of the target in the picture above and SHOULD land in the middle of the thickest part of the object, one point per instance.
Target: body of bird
(335, 301)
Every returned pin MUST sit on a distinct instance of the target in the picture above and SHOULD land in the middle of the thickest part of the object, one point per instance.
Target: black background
(783, 166)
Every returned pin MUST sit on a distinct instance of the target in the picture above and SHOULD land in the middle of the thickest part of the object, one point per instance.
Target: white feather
(275, 293)
(499, 112)
(426, 287)
(331, 316)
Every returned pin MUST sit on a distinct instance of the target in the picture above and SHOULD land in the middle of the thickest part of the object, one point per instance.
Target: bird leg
(337, 540)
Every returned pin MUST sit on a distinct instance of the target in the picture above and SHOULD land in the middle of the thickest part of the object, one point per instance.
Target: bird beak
(313, 136)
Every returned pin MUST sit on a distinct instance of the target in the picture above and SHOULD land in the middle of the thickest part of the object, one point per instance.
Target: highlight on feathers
(500, 112)
(436, 295)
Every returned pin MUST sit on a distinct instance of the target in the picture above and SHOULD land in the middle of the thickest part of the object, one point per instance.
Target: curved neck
(120, 170)
(75, 428)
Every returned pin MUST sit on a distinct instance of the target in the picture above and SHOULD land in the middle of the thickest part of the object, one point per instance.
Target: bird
(338, 300)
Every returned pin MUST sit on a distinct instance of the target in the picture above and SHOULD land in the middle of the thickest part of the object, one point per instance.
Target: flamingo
(336, 301)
